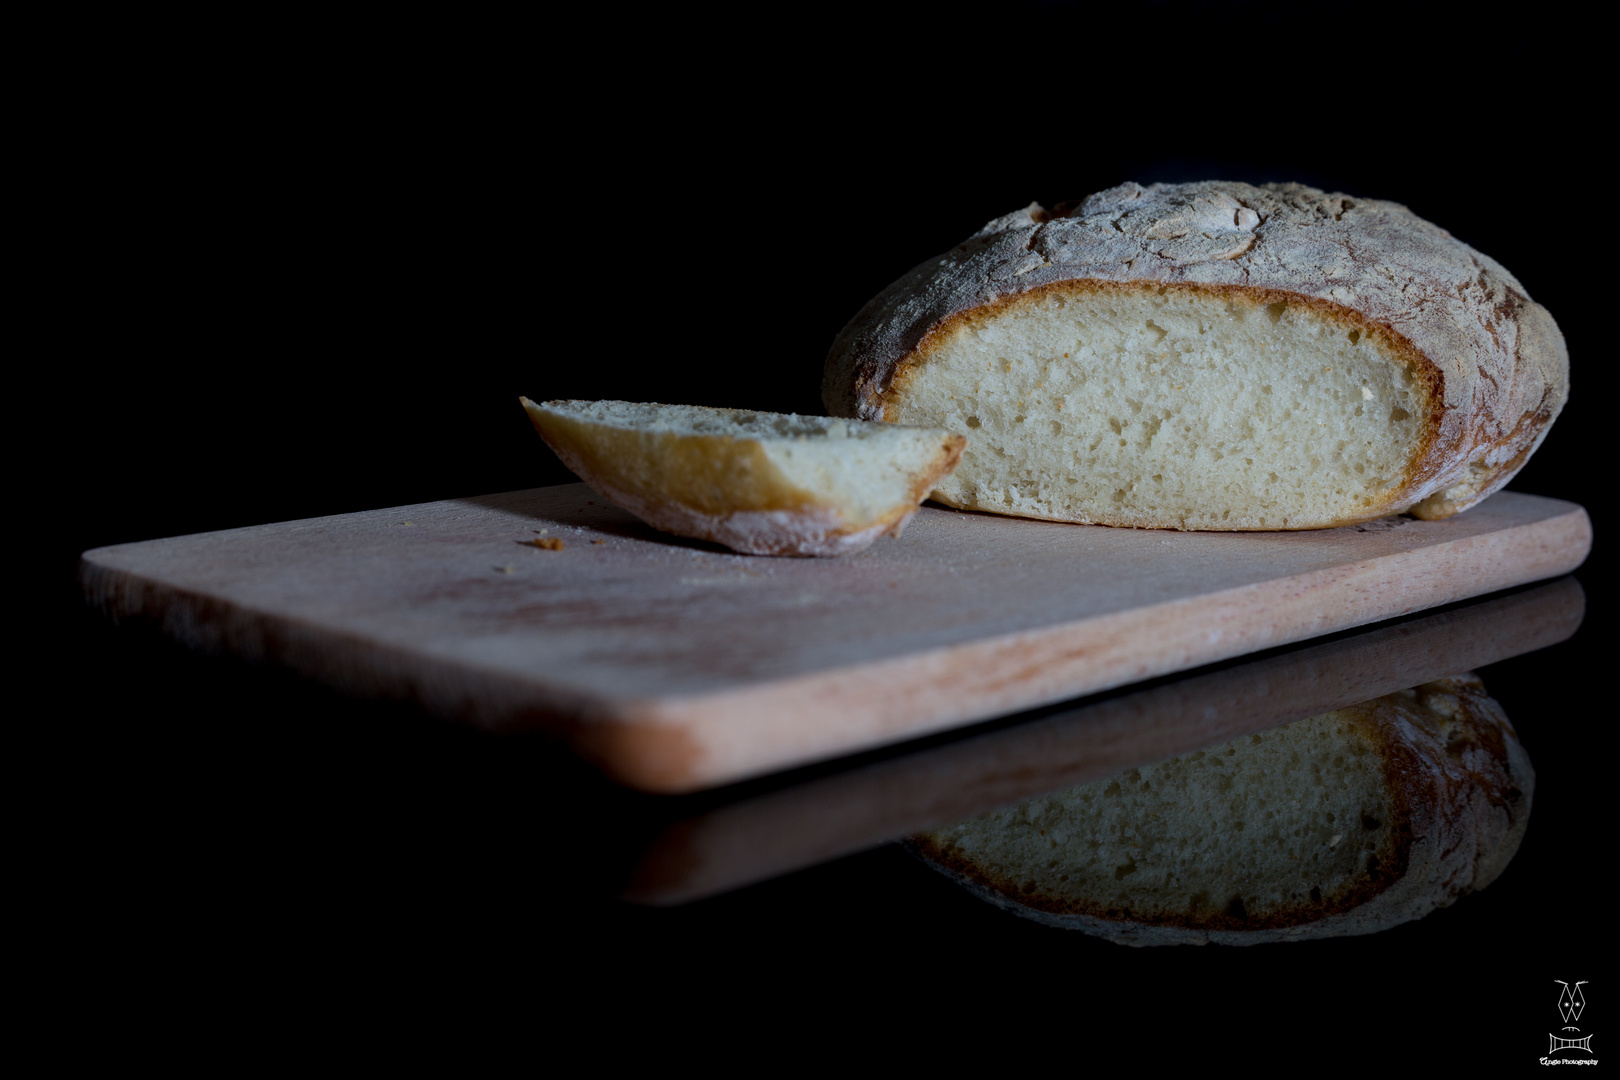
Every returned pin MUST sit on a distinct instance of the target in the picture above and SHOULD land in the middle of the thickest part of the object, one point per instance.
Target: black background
(299, 269)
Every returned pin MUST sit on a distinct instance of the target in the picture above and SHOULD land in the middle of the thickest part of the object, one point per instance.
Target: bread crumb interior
(1169, 408)
(863, 470)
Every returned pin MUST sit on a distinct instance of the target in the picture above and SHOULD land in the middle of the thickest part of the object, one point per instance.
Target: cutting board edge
(487, 697)
(683, 744)
(784, 829)
(730, 740)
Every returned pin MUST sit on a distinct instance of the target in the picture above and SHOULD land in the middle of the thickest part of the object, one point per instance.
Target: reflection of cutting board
(678, 666)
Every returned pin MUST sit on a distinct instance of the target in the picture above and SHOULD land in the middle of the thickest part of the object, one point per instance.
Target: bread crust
(724, 489)
(1459, 787)
(1492, 363)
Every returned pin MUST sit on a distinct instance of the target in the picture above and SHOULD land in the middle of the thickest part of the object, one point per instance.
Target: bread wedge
(1212, 356)
(759, 483)
(1346, 823)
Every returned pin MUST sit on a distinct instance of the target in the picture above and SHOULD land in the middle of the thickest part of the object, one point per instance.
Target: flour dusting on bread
(1212, 356)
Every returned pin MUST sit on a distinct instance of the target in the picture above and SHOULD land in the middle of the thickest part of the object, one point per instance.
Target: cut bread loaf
(1212, 356)
(759, 483)
(1347, 823)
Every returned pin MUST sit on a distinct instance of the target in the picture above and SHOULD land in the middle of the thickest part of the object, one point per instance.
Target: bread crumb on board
(547, 543)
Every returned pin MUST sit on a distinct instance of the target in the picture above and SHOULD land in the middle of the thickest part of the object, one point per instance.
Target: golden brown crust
(950, 457)
(1492, 362)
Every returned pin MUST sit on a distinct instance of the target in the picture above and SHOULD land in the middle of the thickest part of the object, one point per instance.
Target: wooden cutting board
(825, 816)
(677, 666)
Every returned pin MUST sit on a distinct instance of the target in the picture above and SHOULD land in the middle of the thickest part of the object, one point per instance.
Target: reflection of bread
(1346, 823)
(759, 483)
(1212, 356)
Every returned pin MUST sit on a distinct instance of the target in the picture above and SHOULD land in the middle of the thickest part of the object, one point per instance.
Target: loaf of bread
(759, 483)
(1211, 356)
(1347, 823)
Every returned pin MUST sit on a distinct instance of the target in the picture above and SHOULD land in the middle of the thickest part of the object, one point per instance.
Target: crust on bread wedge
(759, 483)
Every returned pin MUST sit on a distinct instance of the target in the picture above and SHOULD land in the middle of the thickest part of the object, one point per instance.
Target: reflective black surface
(328, 298)
(304, 828)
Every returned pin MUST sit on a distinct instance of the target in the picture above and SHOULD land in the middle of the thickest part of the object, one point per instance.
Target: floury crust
(1489, 365)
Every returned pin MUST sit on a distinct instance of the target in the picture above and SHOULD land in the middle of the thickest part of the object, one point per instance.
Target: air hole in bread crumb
(1275, 311)
(1355, 336)
(1397, 414)
(973, 421)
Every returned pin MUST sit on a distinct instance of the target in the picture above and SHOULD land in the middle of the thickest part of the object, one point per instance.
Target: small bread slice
(1346, 823)
(760, 483)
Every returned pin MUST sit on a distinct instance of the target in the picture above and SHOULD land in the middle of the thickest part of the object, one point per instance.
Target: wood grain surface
(677, 666)
(826, 817)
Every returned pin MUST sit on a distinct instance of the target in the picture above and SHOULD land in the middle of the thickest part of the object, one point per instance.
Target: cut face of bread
(759, 483)
(1172, 408)
(1212, 356)
(1345, 823)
